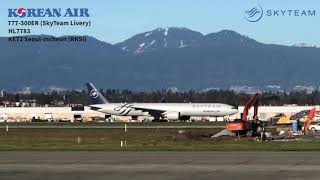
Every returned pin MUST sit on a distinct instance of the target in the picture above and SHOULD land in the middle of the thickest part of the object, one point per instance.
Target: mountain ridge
(222, 59)
(175, 37)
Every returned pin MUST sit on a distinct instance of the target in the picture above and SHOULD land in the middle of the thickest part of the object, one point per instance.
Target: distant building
(245, 89)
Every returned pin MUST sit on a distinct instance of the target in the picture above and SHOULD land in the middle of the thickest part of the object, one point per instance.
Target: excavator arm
(309, 120)
(253, 101)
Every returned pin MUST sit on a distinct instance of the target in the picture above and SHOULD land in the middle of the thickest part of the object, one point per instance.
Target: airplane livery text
(48, 12)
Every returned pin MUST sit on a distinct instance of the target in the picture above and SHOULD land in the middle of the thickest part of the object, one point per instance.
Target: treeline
(116, 96)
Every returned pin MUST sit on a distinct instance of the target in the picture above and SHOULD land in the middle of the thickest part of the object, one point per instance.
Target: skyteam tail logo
(21, 12)
(94, 93)
(254, 14)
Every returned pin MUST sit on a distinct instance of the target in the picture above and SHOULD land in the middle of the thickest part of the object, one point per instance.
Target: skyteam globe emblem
(94, 93)
(254, 14)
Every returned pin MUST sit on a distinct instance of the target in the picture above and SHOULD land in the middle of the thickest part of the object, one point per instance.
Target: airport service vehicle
(243, 125)
(160, 111)
(315, 127)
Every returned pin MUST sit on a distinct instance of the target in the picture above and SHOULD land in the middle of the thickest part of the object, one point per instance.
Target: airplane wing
(152, 112)
(95, 108)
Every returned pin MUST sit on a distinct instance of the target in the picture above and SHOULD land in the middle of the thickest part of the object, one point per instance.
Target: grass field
(138, 140)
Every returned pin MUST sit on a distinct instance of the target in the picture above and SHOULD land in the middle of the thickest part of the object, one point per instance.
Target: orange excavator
(242, 126)
(309, 120)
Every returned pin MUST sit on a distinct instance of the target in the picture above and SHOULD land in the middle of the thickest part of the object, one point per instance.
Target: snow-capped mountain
(161, 38)
(305, 45)
(174, 37)
(229, 38)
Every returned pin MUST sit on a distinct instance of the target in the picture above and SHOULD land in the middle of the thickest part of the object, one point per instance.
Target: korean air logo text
(48, 12)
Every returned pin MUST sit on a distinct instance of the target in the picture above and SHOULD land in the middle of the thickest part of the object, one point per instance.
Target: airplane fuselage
(185, 109)
(169, 111)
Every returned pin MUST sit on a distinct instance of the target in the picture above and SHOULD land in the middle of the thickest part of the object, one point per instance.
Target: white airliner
(160, 111)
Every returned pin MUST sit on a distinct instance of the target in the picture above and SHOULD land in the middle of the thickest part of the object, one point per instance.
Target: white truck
(315, 127)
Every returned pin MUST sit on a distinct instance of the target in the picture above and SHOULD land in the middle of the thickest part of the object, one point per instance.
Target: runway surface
(159, 165)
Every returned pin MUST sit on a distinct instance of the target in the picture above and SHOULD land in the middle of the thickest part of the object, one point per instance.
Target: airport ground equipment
(243, 125)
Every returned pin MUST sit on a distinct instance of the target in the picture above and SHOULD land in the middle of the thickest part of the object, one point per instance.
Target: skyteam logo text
(256, 13)
(48, 12)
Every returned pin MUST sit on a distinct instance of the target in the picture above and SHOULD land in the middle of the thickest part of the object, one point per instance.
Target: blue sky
(117, 20)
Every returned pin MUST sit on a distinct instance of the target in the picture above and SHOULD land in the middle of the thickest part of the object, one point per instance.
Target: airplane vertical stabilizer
(95, 95)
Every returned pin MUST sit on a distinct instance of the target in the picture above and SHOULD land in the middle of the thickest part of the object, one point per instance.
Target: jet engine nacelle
(171, 115)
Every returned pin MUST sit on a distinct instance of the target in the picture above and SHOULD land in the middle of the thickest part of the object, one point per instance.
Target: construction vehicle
(309, 120)
(294, 122)
(287, 120)
(243, 125)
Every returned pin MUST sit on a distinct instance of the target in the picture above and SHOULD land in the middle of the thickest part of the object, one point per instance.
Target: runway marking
(299, 163)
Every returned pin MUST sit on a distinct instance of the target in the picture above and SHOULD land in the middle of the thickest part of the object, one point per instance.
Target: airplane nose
(234, 111)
